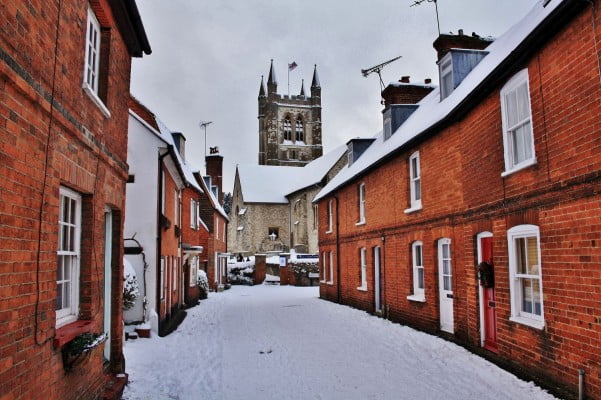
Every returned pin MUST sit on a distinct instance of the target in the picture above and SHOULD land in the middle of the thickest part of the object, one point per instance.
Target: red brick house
(216, 220)
(476, 214)
(63, 135)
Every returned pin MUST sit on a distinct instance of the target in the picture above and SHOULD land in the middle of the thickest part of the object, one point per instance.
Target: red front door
(489, 301)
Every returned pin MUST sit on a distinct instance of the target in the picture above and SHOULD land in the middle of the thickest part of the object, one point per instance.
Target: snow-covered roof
(432, 111)
(271, 184)
(212, 198)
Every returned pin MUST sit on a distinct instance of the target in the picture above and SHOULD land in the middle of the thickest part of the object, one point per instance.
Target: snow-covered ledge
(418, 298)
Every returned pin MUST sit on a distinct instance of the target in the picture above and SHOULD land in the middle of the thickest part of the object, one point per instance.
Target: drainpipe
(338, 292)
(386, 307)
(580, 384)
(159, 235)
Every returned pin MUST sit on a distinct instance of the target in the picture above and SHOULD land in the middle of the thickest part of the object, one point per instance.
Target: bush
(203, 284)
(131, 290)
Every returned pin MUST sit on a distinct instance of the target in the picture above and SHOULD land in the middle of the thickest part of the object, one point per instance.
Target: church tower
(289, 126)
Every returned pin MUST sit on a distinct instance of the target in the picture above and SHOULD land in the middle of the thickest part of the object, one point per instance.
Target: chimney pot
(405, 79)
(460, 32)
(427, 81)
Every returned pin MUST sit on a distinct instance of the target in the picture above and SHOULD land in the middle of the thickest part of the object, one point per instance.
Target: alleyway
(271, 342)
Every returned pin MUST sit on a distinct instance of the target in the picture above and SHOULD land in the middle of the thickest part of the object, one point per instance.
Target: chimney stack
(448, 41)
(405, 92)
(215, 170)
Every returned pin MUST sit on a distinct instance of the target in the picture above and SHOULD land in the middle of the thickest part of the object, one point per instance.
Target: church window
(287, 129)
(300, 133)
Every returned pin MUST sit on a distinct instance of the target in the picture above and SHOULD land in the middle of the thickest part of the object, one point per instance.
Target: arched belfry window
(300, 133)
(287, 129)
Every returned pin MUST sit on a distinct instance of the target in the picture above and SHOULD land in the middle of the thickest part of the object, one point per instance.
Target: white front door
(445, 285)
(377, 280)
(108, 267)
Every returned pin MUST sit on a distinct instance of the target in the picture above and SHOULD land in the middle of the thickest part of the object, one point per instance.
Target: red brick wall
(464, 194)
(170, 249)
(191, 236)
(87, 152)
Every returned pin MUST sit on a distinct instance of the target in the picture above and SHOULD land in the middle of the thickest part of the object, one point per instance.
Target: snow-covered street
(272, 342)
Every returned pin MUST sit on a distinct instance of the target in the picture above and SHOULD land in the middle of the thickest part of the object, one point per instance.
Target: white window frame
(315, 217)
(176, 207)
(163, 190)
(193, 215)
(216, 228)
(299, 131)
(445, 68)
(193, 271)
(515, 278)
(287, 129)
(329, 217)
(223, 231)
(415, 178)
(419, 293)
(324, 267)
(71, 255)
(518, 80)
(363, 268)
(361, 204)
(91, 70)
(331, 281)
(174, 264)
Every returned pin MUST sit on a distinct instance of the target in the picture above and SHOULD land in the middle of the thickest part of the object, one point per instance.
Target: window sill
(413, 209)
(519, 167)
(360, 223)
(66, 333)
(362, 288)
(99, 103)
(418, 298)
(540, 325)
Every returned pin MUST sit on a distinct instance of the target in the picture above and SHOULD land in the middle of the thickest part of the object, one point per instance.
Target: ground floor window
(418, 271)
(363, 266)
(525, 275)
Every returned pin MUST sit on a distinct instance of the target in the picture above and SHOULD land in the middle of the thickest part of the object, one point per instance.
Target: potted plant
(77, 350)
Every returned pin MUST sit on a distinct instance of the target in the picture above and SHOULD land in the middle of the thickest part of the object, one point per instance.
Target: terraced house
(475, 215)
(63, 146)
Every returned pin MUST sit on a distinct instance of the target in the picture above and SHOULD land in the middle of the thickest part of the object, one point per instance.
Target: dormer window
(300, 133)
(446, 76)
(287, 129)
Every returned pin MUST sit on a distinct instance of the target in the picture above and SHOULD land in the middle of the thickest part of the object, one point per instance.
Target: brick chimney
(447, 41)
(404, 92)
(400, 101)
(215, 170)
(180, 143)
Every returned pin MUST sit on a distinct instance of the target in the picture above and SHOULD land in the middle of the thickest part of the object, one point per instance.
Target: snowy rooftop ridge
(432, 111)
(271, 184)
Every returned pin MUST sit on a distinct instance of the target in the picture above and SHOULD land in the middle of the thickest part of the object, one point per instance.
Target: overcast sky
(208, 57)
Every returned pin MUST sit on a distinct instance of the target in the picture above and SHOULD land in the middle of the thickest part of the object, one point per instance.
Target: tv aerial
(418, 2)
(378, 69)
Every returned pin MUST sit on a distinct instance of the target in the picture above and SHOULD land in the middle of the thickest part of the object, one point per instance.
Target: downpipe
(580, 384)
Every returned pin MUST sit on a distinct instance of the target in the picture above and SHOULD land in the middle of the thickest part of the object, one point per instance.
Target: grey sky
(208, 58)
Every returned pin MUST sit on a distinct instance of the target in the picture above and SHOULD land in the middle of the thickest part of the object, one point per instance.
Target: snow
(283, 342)
(431, 110)
(271, 184)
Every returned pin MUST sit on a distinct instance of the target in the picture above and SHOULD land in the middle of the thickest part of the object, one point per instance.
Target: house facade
(476, 217)
(64, 138)
(163, 229)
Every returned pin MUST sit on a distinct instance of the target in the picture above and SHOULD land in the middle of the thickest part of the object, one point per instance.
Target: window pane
(511, 108)
(526, 295)
(72, 209)
(59, 296)
(532, 248)
(418, 255)
(527, 137)
(517, 144)
(420, 278)
(59, 268)
(536, 296)
(418, 189)
(445, 251)
(523, 106)
(520, 253)
(65, 238)
(65, 209)
(446, 267)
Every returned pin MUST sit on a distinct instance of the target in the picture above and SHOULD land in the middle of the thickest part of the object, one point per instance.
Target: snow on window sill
(417, 297)
(533, 323)
(415, 208)
(520, 167)
(362, 288)
(360, 223)
(99, 103)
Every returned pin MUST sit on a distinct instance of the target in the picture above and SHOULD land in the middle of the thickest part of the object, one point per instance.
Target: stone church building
(272, 206)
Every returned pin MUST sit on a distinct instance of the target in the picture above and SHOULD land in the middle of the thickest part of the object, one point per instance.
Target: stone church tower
(289, 126)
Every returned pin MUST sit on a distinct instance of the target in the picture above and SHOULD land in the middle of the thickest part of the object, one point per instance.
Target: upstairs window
(300, 133)
(287, 130)
(95, 79)
(193, 214)
(361, 204)
(518, 140)
(415, 187)
(68, 255)
(446, 76)
(315, 216)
